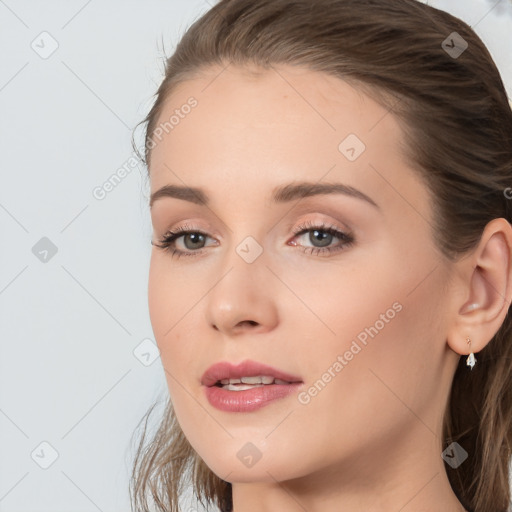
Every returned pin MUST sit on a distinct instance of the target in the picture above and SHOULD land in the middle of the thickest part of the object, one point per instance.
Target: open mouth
(246, 375)
(249, 383)
(248, 386)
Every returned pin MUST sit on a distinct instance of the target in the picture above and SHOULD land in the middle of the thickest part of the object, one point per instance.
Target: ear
(483, 289)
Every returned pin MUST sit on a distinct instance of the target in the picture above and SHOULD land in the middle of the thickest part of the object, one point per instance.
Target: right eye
(190, 235)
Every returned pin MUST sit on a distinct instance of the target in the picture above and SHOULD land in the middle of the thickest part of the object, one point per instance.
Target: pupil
(197, 237)
(324, 238)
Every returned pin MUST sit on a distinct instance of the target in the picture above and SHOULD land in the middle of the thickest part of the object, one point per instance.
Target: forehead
(249, 129)
(235, 102)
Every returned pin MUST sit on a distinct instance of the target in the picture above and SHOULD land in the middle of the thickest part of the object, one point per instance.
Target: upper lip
(247, 368)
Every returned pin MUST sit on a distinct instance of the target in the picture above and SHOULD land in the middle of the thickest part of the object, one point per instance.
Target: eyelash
(170, 237)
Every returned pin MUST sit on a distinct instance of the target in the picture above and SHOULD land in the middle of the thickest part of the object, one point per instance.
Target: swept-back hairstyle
(457, 125)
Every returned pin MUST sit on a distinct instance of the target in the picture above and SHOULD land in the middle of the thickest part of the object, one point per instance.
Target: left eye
(323, 235)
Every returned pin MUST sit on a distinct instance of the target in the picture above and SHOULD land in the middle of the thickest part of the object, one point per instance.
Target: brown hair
(458, 128)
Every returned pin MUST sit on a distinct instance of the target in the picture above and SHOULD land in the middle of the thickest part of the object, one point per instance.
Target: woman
(331, 267)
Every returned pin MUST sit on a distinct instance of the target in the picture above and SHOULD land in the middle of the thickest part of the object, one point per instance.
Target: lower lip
(248, 399)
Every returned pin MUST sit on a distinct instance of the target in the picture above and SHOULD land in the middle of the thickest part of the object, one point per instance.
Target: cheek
(171, 295)
(382, 358)
(161, 304)
(337, 304)
(171, 301)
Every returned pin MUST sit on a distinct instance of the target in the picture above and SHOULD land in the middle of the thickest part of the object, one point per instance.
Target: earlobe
(485, 279)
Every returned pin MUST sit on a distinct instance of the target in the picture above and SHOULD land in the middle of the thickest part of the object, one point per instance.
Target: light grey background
(76, 341)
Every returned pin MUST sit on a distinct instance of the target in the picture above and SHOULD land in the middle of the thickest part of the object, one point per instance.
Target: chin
(268, 474)
(238, 468)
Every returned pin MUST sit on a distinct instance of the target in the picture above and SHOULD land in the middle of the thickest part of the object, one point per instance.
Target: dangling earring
(471, 360)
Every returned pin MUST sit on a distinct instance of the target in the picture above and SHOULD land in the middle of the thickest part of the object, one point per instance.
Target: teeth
(241, 387)
(232, 381)
(250, 382)
(260, 379)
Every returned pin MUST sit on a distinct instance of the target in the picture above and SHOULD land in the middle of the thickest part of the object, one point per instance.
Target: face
(344, 290)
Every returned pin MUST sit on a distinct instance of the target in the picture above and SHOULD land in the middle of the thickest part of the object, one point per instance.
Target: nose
(243, 299)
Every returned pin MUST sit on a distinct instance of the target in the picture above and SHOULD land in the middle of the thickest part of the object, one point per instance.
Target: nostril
(250, 322)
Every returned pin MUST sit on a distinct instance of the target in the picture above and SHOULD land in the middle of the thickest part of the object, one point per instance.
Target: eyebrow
(282, 194)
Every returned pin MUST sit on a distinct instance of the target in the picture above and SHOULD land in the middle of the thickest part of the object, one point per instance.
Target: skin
(370, 440)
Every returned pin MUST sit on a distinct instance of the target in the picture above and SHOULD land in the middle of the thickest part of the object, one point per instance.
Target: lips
(248, 368)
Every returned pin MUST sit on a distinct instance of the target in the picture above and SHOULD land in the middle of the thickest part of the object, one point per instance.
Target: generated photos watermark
(358, 343)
